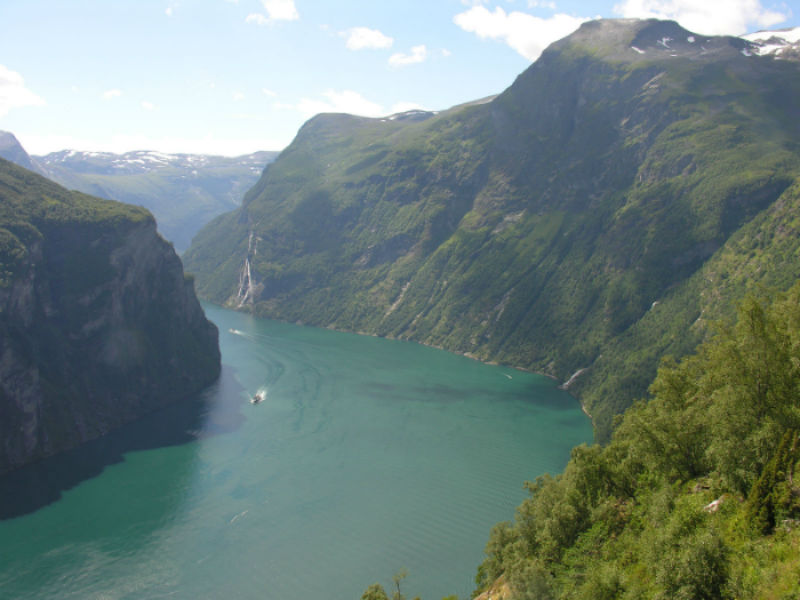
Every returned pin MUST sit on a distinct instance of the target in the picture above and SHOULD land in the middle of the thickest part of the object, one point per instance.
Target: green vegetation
(593, 217)
(184, 192)
(695, 496)
(33, 208)
(30, 197)
(377, 592)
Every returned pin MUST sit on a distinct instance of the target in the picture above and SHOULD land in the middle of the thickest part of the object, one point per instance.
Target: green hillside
(697, 494)
(628, 187)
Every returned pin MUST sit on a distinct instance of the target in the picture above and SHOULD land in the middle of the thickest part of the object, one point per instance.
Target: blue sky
(234, 76)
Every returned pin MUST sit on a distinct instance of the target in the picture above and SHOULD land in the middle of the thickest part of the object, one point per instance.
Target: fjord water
(367, 456)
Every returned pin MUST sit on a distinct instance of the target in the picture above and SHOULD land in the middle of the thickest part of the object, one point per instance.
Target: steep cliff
(98, 324)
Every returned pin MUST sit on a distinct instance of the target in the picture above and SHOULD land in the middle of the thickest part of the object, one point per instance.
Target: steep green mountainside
(98, 324)
(628, 187)
(183, 191)
(696, 496)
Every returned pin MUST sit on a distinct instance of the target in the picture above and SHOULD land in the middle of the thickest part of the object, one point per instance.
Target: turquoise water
(366, 456)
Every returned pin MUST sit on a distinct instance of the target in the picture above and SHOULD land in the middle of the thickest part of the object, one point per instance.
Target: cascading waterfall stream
(246, 294)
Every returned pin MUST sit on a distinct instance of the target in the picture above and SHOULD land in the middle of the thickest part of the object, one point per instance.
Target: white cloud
(277, 10)
(542, 4)
(418, 55)
(346, 101)
(256, 19)
(711, 17)
(359, 38)
(238, 96)
(525, 33)
(13, 93)
(168, 11)
(268, 92)
(148, 105)
(281, 10)
(111, 94)
(446, 52)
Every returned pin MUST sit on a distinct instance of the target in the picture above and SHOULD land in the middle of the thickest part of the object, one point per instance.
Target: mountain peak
(779, 43)
(12, 150)
(650, 39)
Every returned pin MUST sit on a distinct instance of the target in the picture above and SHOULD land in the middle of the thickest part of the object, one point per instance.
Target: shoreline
(562, 386)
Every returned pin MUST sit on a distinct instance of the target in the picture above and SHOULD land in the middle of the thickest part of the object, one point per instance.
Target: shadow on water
(211, 412)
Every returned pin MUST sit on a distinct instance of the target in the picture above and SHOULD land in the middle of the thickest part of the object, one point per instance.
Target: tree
(396, 579)
(374, 592)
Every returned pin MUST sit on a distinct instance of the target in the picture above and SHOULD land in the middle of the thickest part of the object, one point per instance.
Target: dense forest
(696, 496)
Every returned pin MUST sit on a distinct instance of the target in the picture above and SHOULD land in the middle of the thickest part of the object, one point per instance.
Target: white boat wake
(259, 396)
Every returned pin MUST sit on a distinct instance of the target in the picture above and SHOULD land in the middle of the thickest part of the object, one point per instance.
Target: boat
(260, 396)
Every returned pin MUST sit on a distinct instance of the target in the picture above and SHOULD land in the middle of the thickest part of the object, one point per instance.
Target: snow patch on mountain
(778, 43)
(144, 161)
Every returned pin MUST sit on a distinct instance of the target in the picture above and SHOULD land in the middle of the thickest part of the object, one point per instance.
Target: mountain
(12, 150)
(781, 43)
(98, 324)
(696, 496)
(183, 191)
(624, 192)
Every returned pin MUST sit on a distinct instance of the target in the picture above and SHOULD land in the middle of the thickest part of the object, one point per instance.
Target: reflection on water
(366, 456)
(216, 410)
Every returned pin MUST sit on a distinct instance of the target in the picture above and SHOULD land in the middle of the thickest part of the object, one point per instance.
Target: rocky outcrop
(98, 324)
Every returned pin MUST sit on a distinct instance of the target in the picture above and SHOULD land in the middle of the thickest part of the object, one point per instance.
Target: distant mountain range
(628, 188)
(183, 191)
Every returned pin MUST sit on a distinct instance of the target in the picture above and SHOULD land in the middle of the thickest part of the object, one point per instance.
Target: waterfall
(246, 294)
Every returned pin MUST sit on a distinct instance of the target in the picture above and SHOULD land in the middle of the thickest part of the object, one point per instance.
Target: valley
(592, 218)
(587, 282)
(365, 454)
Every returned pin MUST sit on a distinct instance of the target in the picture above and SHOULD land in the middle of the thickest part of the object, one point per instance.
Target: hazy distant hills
(183, 191)
(629, 187)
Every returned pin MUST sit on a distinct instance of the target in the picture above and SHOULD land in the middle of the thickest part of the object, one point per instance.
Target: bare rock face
(98, 324)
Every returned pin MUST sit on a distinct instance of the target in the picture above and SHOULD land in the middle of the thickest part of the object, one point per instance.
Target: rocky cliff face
(98, 324)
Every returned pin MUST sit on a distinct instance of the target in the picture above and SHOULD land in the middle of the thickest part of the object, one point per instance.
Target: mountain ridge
(183, 191)
(12, 150)
(538, 229)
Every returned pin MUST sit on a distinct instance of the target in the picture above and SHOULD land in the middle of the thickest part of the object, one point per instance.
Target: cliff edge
(98, 324)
